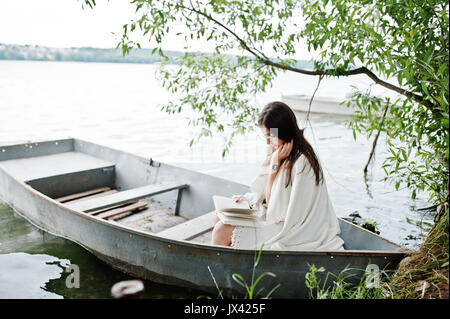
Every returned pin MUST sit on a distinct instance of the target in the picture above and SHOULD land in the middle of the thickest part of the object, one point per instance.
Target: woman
(290, 190)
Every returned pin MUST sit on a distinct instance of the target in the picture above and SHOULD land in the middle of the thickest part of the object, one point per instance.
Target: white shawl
(308, 217)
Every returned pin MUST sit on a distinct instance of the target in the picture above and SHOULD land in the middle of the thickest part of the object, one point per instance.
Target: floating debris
(368, 224)
(127, 289)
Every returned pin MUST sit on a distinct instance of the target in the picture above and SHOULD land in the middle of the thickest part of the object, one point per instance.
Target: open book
(236, 214)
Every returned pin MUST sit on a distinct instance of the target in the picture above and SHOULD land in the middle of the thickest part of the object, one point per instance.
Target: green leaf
(239, 280)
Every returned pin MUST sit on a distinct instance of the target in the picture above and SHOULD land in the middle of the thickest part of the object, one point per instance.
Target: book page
(239, 221)
(227, 204)
(238, 215)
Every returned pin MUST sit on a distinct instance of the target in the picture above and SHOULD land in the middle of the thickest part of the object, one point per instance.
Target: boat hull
(182, 263)
(322, 105)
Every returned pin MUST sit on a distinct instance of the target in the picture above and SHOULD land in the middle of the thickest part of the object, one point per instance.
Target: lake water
(118, 105)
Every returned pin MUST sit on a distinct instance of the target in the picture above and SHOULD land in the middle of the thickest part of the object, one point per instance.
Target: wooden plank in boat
(125, 196)
(82, 194)
(154, 219)
(190, 229)
(203, 239)
(111, 207)
(121, 210)
(105, 193)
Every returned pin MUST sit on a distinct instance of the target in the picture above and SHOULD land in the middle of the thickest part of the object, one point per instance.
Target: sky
(65, 24)
(62, 23)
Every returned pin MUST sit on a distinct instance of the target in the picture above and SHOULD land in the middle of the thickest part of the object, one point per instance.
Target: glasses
(272, 137)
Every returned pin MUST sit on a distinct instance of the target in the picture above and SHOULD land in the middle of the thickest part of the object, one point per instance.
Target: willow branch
(361, 70)
(239, 39)
(376, 138)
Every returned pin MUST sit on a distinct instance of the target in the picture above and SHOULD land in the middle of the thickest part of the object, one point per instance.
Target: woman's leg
(221, 234)
(215, 219)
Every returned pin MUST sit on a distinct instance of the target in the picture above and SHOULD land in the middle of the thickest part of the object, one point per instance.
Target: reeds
(250, 287)
(343, 285)
(422, 275)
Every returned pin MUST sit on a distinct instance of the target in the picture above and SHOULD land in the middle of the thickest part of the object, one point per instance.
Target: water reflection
(25, 276)
(33, 265)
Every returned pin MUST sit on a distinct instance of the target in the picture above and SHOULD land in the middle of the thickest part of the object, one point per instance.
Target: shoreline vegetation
(29, 52)
(82, 54)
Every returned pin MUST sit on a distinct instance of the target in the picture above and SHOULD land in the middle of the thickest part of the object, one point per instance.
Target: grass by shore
(422, 275)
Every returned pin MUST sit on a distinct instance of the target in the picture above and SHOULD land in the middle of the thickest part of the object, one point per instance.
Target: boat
(326, 105)
(153, 220)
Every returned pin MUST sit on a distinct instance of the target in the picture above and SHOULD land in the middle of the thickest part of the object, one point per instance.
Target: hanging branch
(361, 70)
(441, 208)
(374, 144)
(312, 98)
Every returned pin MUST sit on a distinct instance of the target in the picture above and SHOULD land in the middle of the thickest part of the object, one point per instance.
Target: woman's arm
(270, 180)
(277, 156)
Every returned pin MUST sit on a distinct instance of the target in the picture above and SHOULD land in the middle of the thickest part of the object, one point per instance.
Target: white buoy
(127, 289)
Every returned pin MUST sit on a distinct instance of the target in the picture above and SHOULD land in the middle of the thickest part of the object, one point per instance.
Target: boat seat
(189, 229)
(57, 175)
(39, 167)
(128, 195)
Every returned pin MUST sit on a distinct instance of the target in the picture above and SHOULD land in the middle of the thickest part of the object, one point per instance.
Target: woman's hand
(281, 153)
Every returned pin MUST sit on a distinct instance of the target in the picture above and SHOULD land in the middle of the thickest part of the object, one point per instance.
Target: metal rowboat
(153, 220)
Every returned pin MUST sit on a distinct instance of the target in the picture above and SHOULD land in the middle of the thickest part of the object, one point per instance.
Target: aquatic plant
(342, 287)
(250, 287)
(370, 225)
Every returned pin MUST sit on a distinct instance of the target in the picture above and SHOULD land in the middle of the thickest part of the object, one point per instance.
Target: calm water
(33, 263)
(118, 105)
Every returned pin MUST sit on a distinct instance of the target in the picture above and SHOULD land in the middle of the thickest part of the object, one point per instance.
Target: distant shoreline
(83, 54)
(88, 54)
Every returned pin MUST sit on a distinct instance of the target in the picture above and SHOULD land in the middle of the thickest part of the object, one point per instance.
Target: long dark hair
(279, 115)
